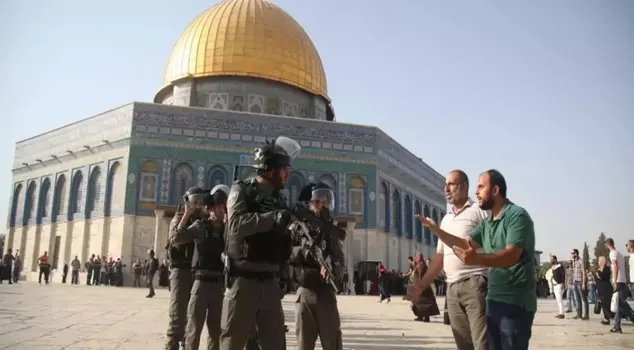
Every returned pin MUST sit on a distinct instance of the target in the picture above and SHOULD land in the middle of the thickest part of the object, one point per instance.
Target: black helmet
(275, 154)
(219, 194)
(195, 195)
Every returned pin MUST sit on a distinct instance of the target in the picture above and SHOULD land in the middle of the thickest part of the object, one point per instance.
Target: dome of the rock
(247, 38)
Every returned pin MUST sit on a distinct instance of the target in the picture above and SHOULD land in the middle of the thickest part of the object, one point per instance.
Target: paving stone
(64, 317)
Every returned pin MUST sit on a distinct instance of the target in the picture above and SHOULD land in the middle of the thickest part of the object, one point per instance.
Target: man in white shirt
(630, 249)
(466, 284)
(619, 281)
(558, 281)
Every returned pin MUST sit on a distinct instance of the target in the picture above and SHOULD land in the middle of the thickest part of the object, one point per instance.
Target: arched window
(94, 191)
(434, 215)
(396, 213)
(427, 231)
(295, 185)
(149, 182)
(45, 193)
(76, 194)
(29, 208)
(217, 176)
(417, 224)
(115, 190)
(16, 207)
(182, 178)
(409, 218)
(384, 207)
(59, 204)
(356, 197)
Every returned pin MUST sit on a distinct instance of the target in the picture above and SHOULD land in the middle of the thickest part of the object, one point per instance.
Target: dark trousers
(74, 277)
(44, 270)
(89, 277)
(64, 277)
(181, 285)
(96, 275)
(621, 288)
(150, 283)
(508, 326)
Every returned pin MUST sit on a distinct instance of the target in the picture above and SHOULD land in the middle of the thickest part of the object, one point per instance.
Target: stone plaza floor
(54, 317)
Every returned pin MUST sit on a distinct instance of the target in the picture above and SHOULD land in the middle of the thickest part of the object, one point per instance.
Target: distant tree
(586, 256)
(600, 249)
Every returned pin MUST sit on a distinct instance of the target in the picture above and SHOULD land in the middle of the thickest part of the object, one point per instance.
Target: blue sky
(541, 90)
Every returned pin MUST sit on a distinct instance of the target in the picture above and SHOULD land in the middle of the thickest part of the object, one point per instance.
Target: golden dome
(252, 38)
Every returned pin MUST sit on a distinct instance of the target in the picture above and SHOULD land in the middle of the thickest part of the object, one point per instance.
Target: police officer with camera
(180, 256)
(316, 312)
(258, 242)
(205, 302)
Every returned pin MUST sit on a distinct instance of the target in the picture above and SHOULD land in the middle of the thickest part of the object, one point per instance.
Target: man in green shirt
(505, 243)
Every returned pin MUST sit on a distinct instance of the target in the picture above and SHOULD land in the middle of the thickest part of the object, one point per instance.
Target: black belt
(181, 265)
(202, 278)
(254, 275)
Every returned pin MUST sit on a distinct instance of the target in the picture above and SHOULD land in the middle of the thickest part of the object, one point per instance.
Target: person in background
(604, 289)
(558, 281)
(580, 280)
(592, 288)
(137, 268)
(410, 269)
(619, 282)
(570, 288)
(425, 304)
(45, 268)
(64, 272)
(7, 267)
(17, 267)
(630, 249)
(384, 283)
(75, 265)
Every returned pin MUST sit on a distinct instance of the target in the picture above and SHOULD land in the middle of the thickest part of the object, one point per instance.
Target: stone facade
(104, 185)
(245, 94)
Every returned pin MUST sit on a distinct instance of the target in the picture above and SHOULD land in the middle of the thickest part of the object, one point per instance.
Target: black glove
(283, 218)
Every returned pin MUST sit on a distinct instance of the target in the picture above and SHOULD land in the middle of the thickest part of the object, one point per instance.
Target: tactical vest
(180, 255)
(207, 255)
(269, 247)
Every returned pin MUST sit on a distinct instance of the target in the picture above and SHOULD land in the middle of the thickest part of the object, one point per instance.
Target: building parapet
(108, 127)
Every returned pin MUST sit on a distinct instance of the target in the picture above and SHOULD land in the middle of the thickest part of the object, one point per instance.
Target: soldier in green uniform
(180, 256)
(258, 242)
(316, 312)
(205, 302)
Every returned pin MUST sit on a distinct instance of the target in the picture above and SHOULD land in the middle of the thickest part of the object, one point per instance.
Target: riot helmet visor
(290, 146)
(323, 197)
(223, 188)
(197, 200)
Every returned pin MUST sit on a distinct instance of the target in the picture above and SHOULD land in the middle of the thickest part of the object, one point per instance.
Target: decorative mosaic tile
(165, 184)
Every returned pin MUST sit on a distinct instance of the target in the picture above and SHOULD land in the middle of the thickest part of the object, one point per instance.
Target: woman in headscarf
(426, 305)
(384, 287)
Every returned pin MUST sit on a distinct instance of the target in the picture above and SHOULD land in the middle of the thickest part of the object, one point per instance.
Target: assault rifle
(324, 226)
(308, 243)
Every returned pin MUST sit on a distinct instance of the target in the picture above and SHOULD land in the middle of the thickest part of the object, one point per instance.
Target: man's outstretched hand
(469, 255)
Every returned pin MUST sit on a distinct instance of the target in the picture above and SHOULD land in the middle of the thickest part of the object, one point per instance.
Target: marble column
(159, 237)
